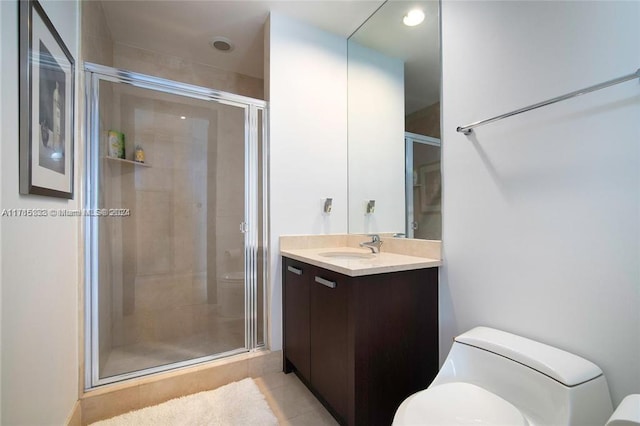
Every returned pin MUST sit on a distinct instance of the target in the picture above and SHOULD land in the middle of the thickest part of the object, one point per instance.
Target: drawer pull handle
(330, 284)
(294, 270)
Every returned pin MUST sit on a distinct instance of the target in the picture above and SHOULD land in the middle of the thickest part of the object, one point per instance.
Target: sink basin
(347, 255)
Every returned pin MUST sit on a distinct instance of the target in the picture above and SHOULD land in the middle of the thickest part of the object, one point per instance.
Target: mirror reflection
(394, 122)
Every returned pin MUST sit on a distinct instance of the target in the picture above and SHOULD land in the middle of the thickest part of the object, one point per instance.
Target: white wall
(376, 140)
(40, 257)
(307, 88)
(541, 211)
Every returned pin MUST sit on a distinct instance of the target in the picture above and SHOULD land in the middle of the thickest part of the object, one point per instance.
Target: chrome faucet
(374, 244)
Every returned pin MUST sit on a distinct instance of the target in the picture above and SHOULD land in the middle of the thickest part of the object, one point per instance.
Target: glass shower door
(423, 187)
(168, 255)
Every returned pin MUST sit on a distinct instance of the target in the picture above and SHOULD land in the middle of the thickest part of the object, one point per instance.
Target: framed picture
(46, 106)
(431, 187)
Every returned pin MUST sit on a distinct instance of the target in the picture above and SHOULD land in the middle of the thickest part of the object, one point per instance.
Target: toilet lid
(457, 404)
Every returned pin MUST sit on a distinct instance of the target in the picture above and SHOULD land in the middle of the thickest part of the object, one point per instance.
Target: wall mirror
(394, 75)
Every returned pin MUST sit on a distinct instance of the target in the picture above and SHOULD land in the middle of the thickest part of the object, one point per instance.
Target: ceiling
(184, 29)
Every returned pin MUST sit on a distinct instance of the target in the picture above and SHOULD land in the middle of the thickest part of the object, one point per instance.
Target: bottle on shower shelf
(139, 154)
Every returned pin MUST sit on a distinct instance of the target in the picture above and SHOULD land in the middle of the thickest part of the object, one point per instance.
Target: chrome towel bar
(468, 129)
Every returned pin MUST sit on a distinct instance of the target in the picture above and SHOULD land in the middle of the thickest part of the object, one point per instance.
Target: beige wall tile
(179, 69)
(262, 363)
(273, 362)
(97, 44)
(215, 377)
(169, 388)
(108, 405)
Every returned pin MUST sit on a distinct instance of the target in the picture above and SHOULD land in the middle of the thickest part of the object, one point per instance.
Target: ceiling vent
(222, 44)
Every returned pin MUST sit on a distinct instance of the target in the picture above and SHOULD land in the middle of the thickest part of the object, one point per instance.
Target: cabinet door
(395, 341)
(328, 320)
(296, 317)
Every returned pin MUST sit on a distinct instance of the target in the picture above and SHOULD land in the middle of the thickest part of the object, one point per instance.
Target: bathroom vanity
(362, 342)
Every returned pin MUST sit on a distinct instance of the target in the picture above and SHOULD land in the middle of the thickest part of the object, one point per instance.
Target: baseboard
(75, 417)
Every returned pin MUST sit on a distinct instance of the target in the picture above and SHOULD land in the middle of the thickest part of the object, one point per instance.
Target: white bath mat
(238, 403)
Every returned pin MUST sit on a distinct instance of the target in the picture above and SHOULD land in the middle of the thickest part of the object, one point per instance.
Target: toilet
(491, 377)
(231, 295)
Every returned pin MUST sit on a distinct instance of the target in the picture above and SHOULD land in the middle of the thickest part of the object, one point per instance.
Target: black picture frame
(47, 101)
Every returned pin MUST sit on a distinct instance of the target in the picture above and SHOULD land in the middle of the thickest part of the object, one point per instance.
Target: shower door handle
(244, 227)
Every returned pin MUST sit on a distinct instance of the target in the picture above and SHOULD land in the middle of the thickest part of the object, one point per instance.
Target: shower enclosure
(176, 244)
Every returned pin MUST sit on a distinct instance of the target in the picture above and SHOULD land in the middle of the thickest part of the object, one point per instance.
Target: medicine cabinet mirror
(394, 122)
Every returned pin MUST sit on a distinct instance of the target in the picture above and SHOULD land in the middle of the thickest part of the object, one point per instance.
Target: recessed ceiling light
(413, 18)
(222, 44)
(182, 117)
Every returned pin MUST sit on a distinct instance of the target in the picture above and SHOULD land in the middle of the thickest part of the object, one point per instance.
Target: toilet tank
(548, 385)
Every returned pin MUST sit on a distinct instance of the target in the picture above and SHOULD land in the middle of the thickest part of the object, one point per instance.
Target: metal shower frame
(254, 186)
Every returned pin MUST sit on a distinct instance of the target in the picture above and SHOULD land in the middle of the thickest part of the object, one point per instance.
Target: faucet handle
(374, 244)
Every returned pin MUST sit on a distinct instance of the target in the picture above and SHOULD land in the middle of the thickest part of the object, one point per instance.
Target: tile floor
(291, 401)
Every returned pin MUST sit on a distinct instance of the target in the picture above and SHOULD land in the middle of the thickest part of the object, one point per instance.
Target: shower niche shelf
(121, 160)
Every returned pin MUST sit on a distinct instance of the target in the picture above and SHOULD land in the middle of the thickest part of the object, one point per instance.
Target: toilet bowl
(491, 377)
(231, 295)
(464, 402)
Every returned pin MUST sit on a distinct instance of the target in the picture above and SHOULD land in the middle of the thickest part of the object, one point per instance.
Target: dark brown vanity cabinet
(361, 344)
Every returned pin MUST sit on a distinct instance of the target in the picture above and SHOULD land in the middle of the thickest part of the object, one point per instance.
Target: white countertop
(375, 264)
